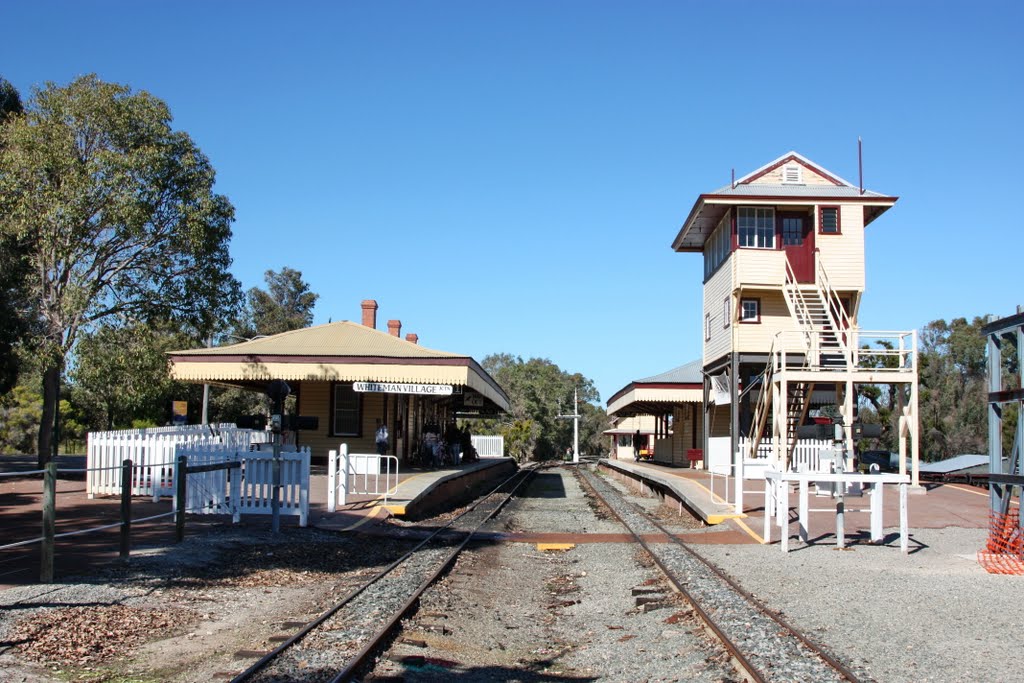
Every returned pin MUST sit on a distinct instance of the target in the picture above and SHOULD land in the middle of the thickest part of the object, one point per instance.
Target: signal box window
(828, 221)
(750, 311)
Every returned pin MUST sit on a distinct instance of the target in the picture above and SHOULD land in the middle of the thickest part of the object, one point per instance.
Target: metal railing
(359, 474)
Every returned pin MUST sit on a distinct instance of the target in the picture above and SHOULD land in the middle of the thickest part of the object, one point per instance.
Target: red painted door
(798, 243)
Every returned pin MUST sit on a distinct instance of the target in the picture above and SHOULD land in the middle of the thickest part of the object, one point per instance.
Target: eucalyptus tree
(13, 270)
(286, 304)
(539, 392)
(118, 216)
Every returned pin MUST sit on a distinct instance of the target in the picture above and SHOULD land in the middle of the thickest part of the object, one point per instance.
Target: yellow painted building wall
(843, 255)
(315, 400)
(716, 291)
(775, 317)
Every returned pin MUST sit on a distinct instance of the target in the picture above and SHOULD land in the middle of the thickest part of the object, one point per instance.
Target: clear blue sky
(508, 176)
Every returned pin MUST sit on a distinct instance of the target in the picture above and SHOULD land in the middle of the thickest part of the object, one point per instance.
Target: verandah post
(126, 507)
(49, 522)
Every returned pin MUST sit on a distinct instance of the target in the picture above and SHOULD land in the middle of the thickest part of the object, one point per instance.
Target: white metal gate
(359, 474)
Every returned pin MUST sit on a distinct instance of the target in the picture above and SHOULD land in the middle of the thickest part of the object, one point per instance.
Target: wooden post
(179, 497)
(126, 507)
(49, 522)
(275, 488)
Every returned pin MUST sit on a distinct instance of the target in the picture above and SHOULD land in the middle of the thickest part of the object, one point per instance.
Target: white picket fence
(247, 489)
(489, 446)
(805, 456)
(359, 474)
(151, 450)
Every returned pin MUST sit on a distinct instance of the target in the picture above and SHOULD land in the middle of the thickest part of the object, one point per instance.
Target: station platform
(711, 498)
(689, 490)
(419, 494)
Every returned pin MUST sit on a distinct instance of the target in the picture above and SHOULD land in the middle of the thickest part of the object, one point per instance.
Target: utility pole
(575, 417)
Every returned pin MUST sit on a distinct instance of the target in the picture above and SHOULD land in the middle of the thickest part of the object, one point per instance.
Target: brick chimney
(395, 328)
(370, 313)
(412, 337)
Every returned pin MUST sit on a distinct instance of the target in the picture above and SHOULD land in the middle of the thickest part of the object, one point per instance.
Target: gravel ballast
(509, 611)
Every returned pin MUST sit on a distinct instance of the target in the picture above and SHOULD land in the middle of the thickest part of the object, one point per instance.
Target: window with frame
(750, 310)
(346, 419)
(707, 327)
(828, 220)
(755, 227)
(717, 246)
(726, 313)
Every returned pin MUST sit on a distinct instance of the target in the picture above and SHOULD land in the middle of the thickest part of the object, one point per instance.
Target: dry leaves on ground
(76, 636)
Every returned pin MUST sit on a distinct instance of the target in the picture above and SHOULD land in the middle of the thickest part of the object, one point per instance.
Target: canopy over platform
(656, 395)
(341, 352)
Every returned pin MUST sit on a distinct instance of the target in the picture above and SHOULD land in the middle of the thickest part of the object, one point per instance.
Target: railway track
(341, 641)
(764, 647)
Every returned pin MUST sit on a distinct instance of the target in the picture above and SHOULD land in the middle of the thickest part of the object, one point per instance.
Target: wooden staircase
(822, 322)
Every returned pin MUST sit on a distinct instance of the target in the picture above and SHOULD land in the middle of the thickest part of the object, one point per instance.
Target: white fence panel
(256, 491)
(151, 451)
(489, 446)
(805, 456)
(249, 488)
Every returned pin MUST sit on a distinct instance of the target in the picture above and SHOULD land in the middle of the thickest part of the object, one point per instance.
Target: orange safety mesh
(1004, 551)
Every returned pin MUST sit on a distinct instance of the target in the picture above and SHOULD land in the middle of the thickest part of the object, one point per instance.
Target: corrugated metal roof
(343, 338)
(797, 191)
(684, 374)
(960, 462)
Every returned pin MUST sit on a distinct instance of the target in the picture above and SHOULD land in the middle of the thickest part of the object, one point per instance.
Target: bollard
(126, 507)
(49, 522)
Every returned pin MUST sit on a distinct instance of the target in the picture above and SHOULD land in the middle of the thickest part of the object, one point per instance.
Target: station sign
(400, 388)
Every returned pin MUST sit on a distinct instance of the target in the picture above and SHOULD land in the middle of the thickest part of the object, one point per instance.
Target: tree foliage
(287, 304)
(953, 374)
(121, 374)
(118, 217)
(539, 391)
(14, 312)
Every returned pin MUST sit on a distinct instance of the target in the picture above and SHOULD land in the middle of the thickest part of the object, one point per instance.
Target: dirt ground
(198, 611)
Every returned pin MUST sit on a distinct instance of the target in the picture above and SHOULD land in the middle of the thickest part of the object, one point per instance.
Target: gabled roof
(657, 394)
(786, 158)
(336, 352)
(760, 186)
(343, 338)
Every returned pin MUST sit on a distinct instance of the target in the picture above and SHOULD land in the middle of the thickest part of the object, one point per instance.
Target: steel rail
(299, 635)
(733, 649)
(357, 662)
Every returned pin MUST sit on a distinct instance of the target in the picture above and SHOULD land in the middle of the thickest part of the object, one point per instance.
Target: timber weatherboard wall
(842, 255)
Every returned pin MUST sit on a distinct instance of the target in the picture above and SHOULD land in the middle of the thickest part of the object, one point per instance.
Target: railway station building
(353, 377)
(666, 410)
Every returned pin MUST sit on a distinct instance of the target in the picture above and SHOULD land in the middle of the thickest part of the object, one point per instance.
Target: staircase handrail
(801, 311)
(834, 306)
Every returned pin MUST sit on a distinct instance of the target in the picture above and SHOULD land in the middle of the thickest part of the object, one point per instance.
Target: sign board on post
(179, 412)
(399, 388)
